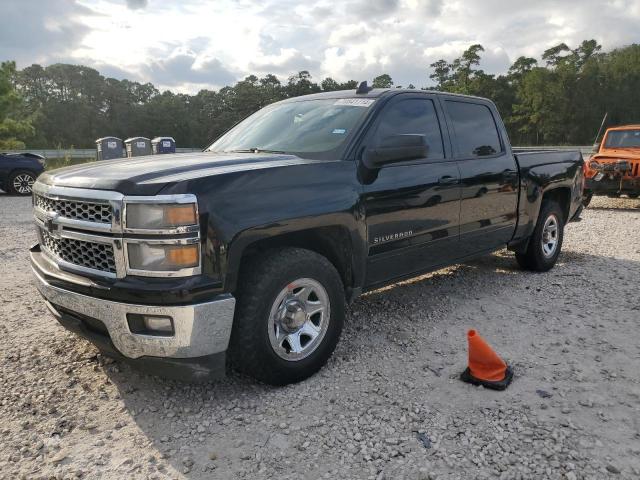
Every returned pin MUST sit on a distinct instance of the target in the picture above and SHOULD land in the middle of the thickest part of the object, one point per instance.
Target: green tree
(13, 129)
(382, 81)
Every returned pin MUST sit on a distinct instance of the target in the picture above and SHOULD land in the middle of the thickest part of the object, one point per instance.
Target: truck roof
(373, 93)
(625, 127)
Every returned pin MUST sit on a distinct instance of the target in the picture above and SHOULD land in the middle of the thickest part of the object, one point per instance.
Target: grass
(53, 163)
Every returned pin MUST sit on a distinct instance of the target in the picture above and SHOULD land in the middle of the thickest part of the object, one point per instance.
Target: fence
(82, 152)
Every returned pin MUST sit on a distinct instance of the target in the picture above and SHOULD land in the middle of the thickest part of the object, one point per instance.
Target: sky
(188, 45)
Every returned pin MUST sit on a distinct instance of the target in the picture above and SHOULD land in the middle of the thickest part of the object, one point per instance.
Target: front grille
(76, 210)
(97, 256)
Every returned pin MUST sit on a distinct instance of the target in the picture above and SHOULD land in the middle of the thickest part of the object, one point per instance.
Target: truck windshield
(308, 128)
(623, 139)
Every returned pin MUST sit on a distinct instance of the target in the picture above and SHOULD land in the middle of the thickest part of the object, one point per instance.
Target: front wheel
(290, 312)
(546, 240)
(21, 182)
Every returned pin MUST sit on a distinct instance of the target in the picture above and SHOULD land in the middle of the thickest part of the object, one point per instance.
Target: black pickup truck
(254, 246)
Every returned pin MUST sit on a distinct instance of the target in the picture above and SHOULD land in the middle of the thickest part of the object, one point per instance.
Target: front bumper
(202, 330)
(613, 185)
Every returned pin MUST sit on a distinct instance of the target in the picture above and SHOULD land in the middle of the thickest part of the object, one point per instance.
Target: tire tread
(244, 352)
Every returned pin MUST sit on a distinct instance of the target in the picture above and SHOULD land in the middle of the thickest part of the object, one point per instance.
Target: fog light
(150, 324)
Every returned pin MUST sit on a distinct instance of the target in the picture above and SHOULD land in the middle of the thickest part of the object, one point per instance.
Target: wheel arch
(562, 196)
(333, 242)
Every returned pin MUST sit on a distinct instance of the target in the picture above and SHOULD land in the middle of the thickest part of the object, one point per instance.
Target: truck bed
(530, 158)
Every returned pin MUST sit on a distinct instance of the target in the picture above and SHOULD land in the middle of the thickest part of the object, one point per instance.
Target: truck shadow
(234, 420)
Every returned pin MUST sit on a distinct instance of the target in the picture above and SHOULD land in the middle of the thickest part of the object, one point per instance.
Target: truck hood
(149, 174)
(617, 153)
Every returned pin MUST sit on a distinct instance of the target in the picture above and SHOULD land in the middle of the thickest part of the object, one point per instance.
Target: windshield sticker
(355, 102)
(339, 131)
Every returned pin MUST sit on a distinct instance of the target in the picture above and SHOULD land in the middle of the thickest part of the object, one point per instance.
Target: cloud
(137, 4)
(285, 62)
(368, 8)
(193, 43)
(34, 31)
(184, 68)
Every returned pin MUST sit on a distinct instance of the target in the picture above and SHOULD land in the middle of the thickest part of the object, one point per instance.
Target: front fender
(284, 232)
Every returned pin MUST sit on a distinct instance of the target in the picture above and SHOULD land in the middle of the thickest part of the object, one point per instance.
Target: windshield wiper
(254, 150)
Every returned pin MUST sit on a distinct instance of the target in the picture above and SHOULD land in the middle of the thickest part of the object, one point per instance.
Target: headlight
(161, 216)
(157, 257)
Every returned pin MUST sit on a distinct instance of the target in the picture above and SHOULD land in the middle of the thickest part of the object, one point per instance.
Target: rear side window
(476, 134)
(413, 116)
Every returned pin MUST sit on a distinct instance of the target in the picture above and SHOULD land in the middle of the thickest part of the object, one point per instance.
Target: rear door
(489, 175)
(411, 208)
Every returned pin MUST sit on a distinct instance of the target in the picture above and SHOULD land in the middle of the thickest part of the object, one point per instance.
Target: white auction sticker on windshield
(355, 102)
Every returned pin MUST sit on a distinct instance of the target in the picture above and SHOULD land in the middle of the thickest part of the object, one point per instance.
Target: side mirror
(396, 148)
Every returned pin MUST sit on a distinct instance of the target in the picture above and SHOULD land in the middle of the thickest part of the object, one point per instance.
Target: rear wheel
(546, 240)
(21, 182)
(289, 317)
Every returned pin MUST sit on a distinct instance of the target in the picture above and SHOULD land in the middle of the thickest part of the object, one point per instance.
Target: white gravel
(573, 411)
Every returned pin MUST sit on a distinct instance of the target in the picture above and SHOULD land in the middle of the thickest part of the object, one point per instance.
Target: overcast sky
(187, 45)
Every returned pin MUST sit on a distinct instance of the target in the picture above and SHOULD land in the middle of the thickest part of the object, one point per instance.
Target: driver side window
(413, 116)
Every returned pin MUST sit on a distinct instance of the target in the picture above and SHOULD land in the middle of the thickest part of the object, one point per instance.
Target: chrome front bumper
(201, 329)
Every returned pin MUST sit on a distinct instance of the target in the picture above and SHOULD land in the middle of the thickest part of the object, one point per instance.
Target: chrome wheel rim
(23, 183)
(299, 319)
(550, 236)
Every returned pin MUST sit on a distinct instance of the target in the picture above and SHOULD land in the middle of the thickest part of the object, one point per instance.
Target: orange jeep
(615, 168)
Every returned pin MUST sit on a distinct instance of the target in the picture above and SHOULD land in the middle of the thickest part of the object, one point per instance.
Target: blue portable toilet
(163, 145)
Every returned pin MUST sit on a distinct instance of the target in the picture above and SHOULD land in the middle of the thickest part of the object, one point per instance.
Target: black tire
(261, 283)
(25, 186)
(586, 198)
(535, 258)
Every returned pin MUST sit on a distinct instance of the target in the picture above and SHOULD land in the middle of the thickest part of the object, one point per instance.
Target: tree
(559, 100)
(441, 74)
(13, 130)
(555, 56)
(382, 81)
(521, 67)
(301, 84)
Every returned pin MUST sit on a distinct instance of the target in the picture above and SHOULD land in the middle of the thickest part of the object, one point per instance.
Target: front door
(412, 208)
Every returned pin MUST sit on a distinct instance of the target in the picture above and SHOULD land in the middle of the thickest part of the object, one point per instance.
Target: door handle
(447, 180)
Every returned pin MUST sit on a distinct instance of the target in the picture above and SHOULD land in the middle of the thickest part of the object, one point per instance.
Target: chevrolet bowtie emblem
(52, 228)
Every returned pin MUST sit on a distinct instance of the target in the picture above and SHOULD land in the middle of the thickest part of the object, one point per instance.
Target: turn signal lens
(183, 256)
(176, 215)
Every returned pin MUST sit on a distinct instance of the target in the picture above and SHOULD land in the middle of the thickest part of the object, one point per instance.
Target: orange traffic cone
(485, 368)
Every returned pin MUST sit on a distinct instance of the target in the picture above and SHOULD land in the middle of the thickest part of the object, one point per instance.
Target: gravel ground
(388, 404)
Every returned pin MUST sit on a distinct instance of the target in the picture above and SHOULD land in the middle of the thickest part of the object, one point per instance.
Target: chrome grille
(98, 256)
(76, 210)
